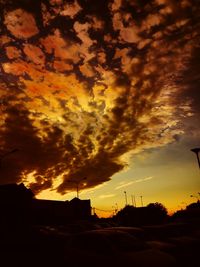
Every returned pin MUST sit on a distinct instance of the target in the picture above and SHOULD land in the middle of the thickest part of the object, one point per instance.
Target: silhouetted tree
(195, 205)
(154, 213)
(126, 216)
(158, 212)
(191, 213)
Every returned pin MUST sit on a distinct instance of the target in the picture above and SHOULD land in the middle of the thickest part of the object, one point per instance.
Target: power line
(104, 210)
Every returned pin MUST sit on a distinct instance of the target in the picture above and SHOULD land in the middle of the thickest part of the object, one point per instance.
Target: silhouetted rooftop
(13, 189)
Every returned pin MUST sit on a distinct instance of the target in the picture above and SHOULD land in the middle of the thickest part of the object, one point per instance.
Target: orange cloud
(83, 86)
(21, 23)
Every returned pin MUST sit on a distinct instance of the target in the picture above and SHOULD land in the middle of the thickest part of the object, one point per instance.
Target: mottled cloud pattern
(85, 83)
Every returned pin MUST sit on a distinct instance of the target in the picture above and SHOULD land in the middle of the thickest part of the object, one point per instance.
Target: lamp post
(196, 151)
(125, 198)
(132, 200)
(141, 200)
(77, 185)
(116, 207)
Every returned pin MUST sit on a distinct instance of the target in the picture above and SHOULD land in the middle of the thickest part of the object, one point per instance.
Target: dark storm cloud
(82, 84)
(34, 153)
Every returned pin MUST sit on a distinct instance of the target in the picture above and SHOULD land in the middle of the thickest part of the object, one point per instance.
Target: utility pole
(125, 198)
(116, 207)
(133, 200)
(77, 186)
(196, 151)
(141, 201)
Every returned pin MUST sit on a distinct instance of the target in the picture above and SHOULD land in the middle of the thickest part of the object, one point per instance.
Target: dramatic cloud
(84, 84)
(20, 23)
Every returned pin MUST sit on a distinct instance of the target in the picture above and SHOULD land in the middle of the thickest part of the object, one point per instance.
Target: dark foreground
(96, 244)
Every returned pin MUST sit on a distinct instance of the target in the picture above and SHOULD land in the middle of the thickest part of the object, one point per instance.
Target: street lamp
(125, 198)
(116, 206)
(196, 151)
(77, 185)
(141, 201)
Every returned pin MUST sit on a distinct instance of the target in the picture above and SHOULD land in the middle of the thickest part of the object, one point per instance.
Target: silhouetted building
(48, 211)
(54, 211)
(15, 202)
(18, 205)
(79, 208)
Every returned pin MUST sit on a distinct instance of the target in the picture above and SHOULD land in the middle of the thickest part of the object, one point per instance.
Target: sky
(104, 95)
